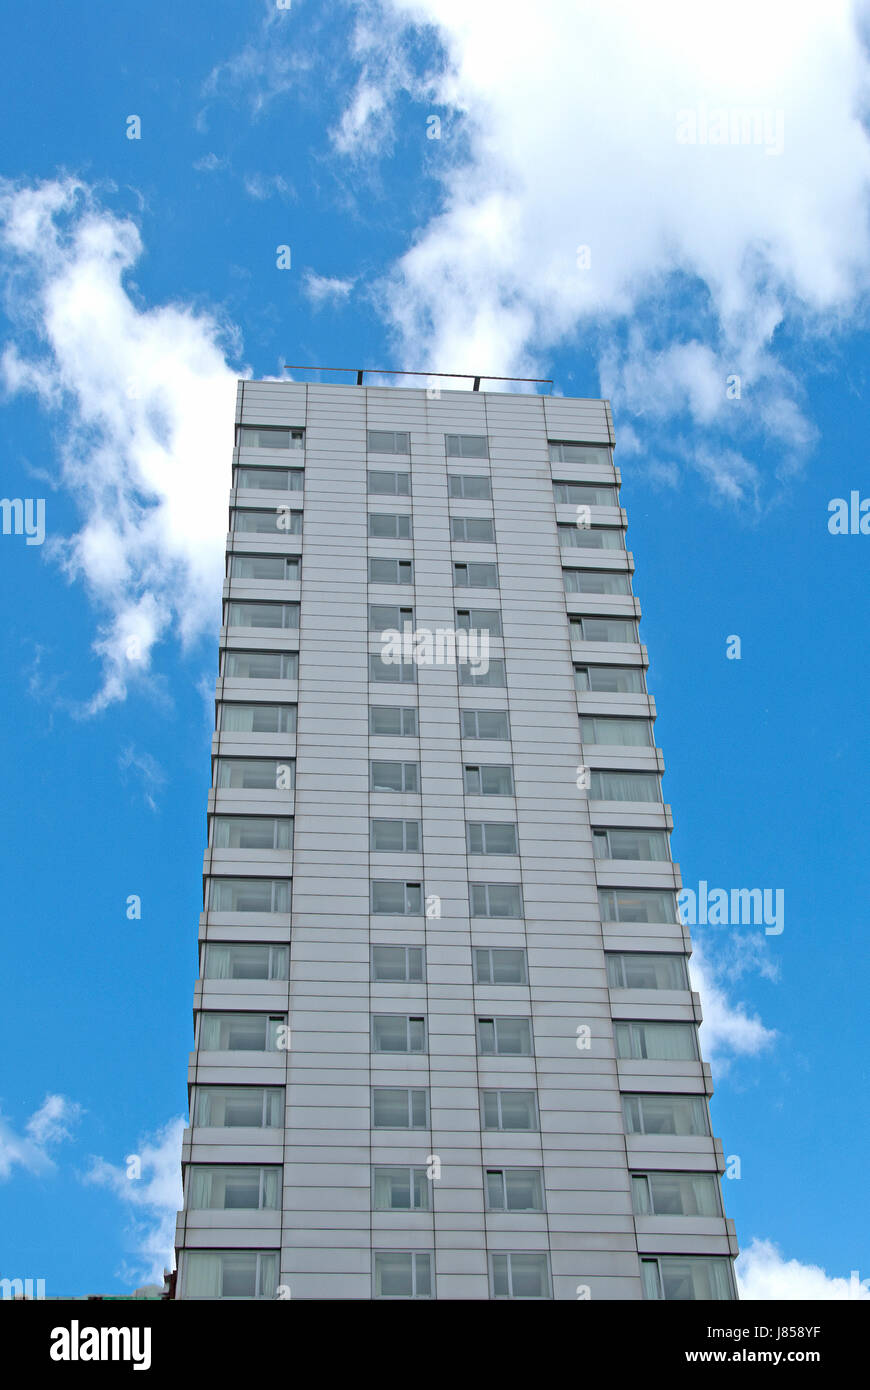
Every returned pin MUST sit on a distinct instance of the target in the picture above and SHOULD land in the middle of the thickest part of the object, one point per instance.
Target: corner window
(270, 437)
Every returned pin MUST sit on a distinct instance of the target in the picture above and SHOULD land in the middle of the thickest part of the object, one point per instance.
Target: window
(270, 437)
(238, 718)
(399, 1107)
(656, 1042)
(611, 680)
(388, 836)
(389, 484)
(597, 582)
(278, 567)
(495, 966)
(478, 529)
(661, 1114)
(687, 1277)
(479, 620)
(386, 672)
(494, 675)
(646, 970)
(514, 1189)
(567, 451)
(488, 779)
(593, 494)
(389, 616)
(636, 905)
(230, 1273)
(249, 895)
(394, 777)
(221, 1187)
(496, 900)
(400, 1189)
(521, 1275)
(260, 666)
(624, 786)
(504, 1037)
(391, 571)
(403, 1274)
(266, 521)
(219, 1032)
(485, 723)
(491, 837)
(252, 832)
(398, 1033)
(466, 446)
(271, 479)
(587, 629)
(397, 964)
(473, 487)
(590, 537)
(649, 846)
(262, 774)
(385, 526)
(619, 733)
(399, 721)
(244, 961)
(254, 614)
(391, 896)
(238, 1107)
(510, 1110)
(389, 442)
(675, 1194)
(475, 576)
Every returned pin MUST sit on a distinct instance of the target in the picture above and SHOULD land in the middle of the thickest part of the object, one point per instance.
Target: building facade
(445, 1041)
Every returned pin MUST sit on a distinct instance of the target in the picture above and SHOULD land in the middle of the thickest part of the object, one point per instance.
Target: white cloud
(154, 1194)
(51, 1124)
(144, 402)
(209, 163)
(262, 186)
(764, 1273)
(567, 119)
(729, 1030)
(325, 289)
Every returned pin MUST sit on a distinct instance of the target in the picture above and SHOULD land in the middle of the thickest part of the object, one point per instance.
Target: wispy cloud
(143, 400)
(209, 163)
(51, 1124)
(265, 69)
(262, 186)
(148, 771)
(326, 289)
(149, 1184)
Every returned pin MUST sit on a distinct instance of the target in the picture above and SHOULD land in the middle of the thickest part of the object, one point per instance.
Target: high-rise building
(445, 1040)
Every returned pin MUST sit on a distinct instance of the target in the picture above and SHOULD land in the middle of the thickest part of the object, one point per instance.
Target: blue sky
(140, 280)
